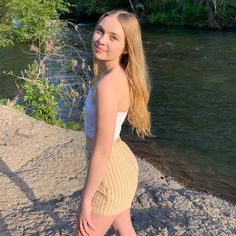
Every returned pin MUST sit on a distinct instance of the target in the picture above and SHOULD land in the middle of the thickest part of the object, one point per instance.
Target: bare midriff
(91, 142)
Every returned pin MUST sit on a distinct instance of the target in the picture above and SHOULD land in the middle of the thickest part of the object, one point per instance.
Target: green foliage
(175, 17)
(167, 18)
(6, 38)
(41, 96)
(32, 20)
(194, 15)
(227, 17)
(91, 7)
(29, 20)
(72, 125)
(169, 13)
(140, 10)
(3, 101)
(226, 11)
(158, 17)
(189, 12)
(19, 107)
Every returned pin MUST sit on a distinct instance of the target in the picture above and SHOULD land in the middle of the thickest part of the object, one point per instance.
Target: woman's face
(108, 42)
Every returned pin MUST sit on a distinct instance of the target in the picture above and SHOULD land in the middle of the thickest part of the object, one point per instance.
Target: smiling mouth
(98, 49)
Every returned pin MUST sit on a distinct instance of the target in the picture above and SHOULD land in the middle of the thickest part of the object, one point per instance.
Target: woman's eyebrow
(99, 26)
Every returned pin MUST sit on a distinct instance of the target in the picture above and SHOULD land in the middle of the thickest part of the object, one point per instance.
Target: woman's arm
(107, 106)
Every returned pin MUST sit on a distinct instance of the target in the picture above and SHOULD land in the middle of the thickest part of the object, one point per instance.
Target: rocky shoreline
(158, 156)
(42, 171)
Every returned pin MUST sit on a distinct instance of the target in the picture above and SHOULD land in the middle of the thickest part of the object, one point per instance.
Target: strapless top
(90, 118)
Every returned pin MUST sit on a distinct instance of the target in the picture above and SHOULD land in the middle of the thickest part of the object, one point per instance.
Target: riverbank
(158, 156)
(42, 171)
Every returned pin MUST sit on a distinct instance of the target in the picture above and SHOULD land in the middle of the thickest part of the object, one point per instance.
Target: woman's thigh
(122, 224)
(101, 223)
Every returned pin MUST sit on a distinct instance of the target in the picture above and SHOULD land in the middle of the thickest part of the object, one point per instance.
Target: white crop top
(90, 118)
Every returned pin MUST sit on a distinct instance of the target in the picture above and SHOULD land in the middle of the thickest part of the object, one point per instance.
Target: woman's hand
(84, 223)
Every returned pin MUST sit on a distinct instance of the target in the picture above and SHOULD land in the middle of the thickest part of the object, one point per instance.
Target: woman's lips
(98, 49)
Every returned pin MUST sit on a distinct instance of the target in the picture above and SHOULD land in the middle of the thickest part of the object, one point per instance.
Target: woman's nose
(102, 40)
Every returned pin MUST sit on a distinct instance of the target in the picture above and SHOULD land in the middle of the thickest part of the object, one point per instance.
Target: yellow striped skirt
(117, 189)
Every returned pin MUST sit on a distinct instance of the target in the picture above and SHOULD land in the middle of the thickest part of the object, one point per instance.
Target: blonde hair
(135, 66)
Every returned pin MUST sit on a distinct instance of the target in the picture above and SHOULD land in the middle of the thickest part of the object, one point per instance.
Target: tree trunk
(180, 5)
(132, 6)
(211, 17)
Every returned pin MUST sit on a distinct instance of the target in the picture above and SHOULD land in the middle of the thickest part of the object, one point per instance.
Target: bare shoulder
(112, 80)
(115, 88)
(107, 81)
(106, 90)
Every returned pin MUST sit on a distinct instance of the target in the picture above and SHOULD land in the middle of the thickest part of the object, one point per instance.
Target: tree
(29, 20)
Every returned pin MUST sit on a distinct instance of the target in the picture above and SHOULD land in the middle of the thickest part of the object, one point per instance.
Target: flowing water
(13, 59)
(193, 104)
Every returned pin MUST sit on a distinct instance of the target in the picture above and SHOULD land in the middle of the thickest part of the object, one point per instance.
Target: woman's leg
(122, 225)
(101, 224)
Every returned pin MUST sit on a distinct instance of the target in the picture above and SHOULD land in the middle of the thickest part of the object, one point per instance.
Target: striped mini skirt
(118, 187)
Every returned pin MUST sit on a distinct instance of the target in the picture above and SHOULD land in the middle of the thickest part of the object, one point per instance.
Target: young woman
(120, 89)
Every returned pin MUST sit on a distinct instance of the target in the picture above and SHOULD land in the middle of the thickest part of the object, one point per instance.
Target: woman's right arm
(107, 107)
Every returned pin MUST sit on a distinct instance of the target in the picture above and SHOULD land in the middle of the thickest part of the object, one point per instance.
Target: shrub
(158, 17)
(3, 101)
(41, 97)
(194, 15)
(29, 20)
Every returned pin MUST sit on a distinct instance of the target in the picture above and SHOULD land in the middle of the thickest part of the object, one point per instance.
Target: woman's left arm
(107, 105)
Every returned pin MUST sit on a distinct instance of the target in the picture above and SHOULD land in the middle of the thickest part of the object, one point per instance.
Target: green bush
(190, 15)
(194, 15)
(227, 16)
(91, 7)
(29, 20)
(41, 97)
(158, 17)
(72, 125)
(175, 17)
(19, 107)
(3, 101)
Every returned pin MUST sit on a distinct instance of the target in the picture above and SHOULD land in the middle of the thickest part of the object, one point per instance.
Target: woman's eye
(114, 37)
(98, 30)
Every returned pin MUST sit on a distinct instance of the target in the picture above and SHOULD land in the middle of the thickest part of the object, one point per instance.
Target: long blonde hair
(135, 66)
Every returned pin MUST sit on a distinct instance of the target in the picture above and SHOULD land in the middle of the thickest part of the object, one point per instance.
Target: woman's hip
(122, 159)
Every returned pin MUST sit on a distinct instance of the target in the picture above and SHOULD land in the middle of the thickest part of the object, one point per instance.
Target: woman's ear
(125, 52)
